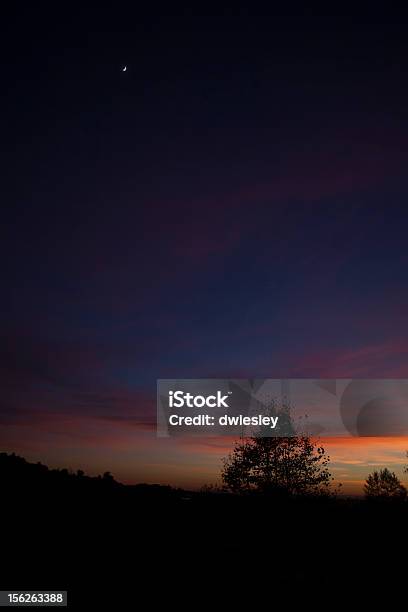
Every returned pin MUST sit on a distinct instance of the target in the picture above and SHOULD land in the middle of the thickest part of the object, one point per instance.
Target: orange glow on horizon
(134, 454)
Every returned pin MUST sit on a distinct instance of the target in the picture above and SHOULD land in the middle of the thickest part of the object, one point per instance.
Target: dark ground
(105, 542)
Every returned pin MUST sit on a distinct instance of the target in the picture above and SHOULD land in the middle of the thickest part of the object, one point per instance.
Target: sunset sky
(234, 204)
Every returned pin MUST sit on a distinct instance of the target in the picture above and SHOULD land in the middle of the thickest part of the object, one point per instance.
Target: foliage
(384, 485)
(290, 465)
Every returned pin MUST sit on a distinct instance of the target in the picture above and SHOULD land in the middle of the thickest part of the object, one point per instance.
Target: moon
(124, 68)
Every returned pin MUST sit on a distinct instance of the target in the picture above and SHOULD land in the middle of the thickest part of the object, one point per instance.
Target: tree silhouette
(290, 465)
(384, 485)
(406, 467)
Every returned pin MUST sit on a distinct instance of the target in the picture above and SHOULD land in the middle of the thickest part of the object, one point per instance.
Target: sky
(232, 205)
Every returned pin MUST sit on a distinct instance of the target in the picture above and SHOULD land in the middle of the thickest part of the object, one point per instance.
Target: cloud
(384, 360)
(44, 380)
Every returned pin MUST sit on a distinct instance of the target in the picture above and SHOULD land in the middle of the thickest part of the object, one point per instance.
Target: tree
(406, 467)
(291, 465)
(384, 485)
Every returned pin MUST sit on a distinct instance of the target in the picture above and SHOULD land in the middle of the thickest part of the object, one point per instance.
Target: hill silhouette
(97, 537)
(23, 477)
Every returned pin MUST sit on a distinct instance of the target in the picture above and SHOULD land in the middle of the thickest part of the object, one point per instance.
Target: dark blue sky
(235, 203)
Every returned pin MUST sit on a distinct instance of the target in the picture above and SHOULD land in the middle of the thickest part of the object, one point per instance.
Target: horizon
(351, 462)
(353, 491)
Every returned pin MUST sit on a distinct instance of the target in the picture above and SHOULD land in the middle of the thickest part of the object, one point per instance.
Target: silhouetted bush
(384, 485)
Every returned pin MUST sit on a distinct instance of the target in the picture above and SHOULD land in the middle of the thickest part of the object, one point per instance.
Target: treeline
(22, 478)
(296, 466)
(261, 467)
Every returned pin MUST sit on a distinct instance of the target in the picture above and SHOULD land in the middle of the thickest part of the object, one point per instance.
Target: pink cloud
(382, 360)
